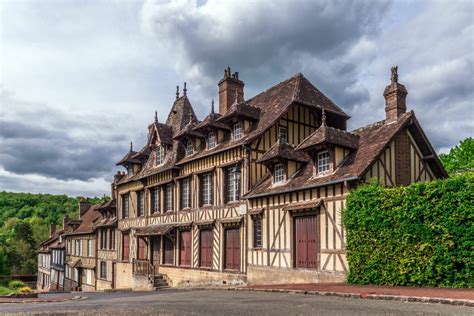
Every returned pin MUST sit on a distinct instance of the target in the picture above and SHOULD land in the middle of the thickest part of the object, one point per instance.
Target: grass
(5, 291)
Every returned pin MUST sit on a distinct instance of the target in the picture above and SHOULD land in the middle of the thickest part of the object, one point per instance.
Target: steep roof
(211, 121)
(372, 140)
(180, 115)
(283, 150)
(326, 134)
(88, 220)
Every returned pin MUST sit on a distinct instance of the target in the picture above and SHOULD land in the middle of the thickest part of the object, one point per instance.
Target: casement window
(323, 162)
(160, 155)
(233, 185)
(257, 232)
(126, 247)
(112, 239)
(169, 197)
(211, 140)
(89, 248)
(237, 131)
(168, 254)
(125, 206)
(88, 276)
(80, 248)
(206, 189)
(141, 250)
(189, 148)
(278, 173)
(103, 270)
(103, 239)
(185, 248)
(283, 134)
(155, 200)
(141, 203)
(205, 249)
(185, 193)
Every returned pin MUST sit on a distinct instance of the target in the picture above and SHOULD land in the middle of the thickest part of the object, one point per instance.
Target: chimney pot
(395, 97)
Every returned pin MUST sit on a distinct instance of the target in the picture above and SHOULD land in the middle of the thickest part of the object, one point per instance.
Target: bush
(421, 235)
(25, 289)
(5, 291)
(16, 284)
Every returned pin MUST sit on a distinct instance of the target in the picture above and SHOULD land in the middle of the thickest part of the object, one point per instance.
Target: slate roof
(283, 150)
(326, 134)
(241, 109)
(372, 139)
(210, 122)
(88, 220)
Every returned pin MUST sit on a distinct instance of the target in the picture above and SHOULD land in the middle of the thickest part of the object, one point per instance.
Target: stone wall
(123, 275)
(179, 277)
(266, 275)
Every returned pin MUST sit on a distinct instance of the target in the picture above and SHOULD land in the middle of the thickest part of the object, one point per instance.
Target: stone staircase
(160, 282)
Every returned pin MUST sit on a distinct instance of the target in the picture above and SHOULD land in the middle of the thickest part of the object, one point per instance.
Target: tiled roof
(189, 130)
(88, 220)
(180, 115)
(326, 134)
(154, 230)
(372, 140)
(210, 121)
(240, 109)
(129, 157)
(283, 150)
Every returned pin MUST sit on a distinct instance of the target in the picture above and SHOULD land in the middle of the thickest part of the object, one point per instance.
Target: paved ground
(363, 290)
(223, 302)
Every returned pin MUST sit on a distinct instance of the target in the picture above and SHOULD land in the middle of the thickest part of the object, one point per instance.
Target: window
(169, 197)
(155, 200)
(189, 148)
(237, 131)
(76, 248)
(88, 276)
(169, 250)
(278, 173)
(125, 204)
(89, 248)
(160, 155)
(80, 248)
(257, 232)
(211, 140)
(112, 239)
(283, 134)
(185, 194)
(206, 189)
(185, 248)
(126, 248)
(103, 270)
(141, 203)
(205, 251)
(233, 184)
(141, 251)
(323, 162)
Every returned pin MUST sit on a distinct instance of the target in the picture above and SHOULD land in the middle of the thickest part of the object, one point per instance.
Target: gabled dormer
(131, 161)
(328, 147)
(212, 130)
(283, 161)
(190, 139)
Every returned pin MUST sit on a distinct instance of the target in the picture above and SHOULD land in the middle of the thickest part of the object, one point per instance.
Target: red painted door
(232, 249)
(185, 248)
(206, 248)
(306, 252)
(156, 247)
(168, 251)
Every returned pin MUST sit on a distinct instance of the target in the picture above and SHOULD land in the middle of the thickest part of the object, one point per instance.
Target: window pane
(185, 194)
(257, 232)
(211, 140)
(237, 131)
(279, 174)
(323, 162)
(169, 197)
(206, 187)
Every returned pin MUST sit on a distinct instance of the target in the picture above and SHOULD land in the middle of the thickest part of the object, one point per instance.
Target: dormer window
(278, 173)
(189, 148)
(211, 140)
(283, 134)
(323, 162)
(237, 131)
(160, 155)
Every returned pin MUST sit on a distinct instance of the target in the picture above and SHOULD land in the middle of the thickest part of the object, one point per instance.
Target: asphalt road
(223, 302)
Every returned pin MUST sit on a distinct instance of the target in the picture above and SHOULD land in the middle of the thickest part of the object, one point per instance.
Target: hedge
(422, 234)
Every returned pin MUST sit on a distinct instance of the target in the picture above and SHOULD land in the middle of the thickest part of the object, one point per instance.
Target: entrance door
(185, 248)
(306, 242)
(232, 249)
(155, 250)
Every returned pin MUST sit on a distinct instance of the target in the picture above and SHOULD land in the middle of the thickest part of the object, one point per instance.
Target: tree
(460, 158)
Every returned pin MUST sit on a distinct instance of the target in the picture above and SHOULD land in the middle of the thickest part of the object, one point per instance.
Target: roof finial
(177, 92)
(394, 77)
(323, 118)
(184, 89)
(212, 106)
(156, 116)
(131, 146)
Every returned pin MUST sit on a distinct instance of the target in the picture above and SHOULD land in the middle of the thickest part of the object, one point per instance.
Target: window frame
(155, 200)
(257, 232)
(112, 239)
(126, 205)
(327, 163)
(280, 129)
(103, 270)
(206, 187)
(281, 176)
(160, 155)
(189, 148)
(230, 185)
(185, 200)
(169, 197)
(141, 203)
(211, 136)
(237, 127)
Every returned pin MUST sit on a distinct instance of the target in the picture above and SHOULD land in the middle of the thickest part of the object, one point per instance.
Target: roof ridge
(273, 87)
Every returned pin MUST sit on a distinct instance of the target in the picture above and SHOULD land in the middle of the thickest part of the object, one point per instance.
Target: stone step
(160, 282)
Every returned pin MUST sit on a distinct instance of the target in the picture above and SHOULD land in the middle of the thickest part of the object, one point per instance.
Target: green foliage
(25, 219)
(420, 235)
(460, 157)
(5, 291)
(16, 284)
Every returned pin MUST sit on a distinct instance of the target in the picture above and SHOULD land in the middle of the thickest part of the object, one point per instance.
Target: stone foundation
(180, 277)
(267, 275)
(103, 285)
(123, 277)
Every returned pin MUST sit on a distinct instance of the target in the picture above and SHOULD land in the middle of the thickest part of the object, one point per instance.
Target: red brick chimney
(52, 229)
(83, 206)
(227, 88)
(395, 95)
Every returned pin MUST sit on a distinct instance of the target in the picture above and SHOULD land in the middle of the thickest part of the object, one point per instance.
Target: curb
(400, 298)
(45, 301)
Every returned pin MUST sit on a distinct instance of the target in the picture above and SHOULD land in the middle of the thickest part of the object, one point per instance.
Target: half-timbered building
(256, 191)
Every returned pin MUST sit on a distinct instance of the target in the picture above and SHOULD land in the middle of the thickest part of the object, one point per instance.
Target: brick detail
(227, 89)
(395, 101)
(402, 158)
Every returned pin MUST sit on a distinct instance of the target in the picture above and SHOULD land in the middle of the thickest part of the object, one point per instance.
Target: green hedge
(420, 235)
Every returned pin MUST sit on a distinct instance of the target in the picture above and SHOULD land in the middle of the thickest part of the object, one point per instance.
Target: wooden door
(141, 255)
(169, 250)
(306, 246)
(205, 255)
(156, 250)
(185, 248)
(232, 249)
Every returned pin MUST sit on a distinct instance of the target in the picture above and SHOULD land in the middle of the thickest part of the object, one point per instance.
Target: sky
(80, 80)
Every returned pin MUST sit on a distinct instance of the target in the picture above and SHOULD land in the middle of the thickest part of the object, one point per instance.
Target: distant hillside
(24, 223)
